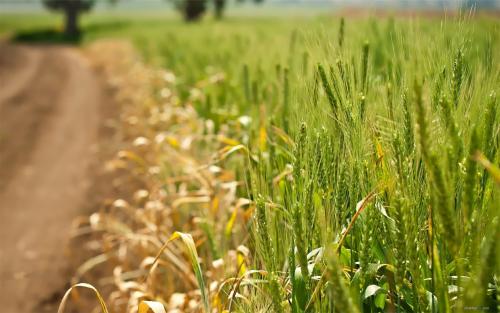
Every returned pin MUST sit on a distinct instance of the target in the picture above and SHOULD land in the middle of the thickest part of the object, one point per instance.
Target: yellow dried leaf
(491, 168)
(228, 141)
(215, 204)
(62, 304)
(281, 133)
(228, 150)
(173, 141)
(262, 138)
(230, 222)
(188, 241)
(151, 306)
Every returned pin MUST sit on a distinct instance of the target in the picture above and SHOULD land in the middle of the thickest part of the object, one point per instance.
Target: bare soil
(51, 117)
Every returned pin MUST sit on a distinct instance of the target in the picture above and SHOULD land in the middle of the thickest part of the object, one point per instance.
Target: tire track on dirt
(28, 97)
(26, 63)
(49, 126)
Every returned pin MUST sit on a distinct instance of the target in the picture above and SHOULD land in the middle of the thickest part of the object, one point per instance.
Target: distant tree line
(192, 10)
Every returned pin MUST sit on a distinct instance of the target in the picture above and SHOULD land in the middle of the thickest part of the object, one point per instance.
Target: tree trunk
(71, 28)
(219, 8)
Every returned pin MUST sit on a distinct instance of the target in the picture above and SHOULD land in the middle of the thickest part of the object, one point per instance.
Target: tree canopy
(72, 9)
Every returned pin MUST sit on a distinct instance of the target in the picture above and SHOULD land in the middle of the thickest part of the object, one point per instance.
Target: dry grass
(168, 147)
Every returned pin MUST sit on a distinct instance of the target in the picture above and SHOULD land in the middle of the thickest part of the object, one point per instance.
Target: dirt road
(49, 119)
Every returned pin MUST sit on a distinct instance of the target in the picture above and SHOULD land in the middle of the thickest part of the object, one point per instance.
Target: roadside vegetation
(304, 165)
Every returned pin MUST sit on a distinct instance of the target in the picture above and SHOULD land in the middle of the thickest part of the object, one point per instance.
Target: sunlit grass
(366, 150)
(315, 169)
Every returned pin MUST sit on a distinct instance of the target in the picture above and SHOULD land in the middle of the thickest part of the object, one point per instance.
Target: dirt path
(49, 121)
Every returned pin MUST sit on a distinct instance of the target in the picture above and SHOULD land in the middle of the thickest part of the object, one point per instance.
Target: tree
(219, 6)
(194, 9)
(72, 9)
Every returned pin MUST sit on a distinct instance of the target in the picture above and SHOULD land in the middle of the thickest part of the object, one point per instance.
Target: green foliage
(403, 115)
(83, 5)
(385, 116)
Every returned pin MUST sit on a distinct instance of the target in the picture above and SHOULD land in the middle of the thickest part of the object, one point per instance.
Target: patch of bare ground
(56, 130)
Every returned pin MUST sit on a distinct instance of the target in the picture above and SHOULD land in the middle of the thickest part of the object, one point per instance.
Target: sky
(35, 5)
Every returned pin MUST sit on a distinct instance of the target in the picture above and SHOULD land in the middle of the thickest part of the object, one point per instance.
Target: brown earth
(51, 117)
